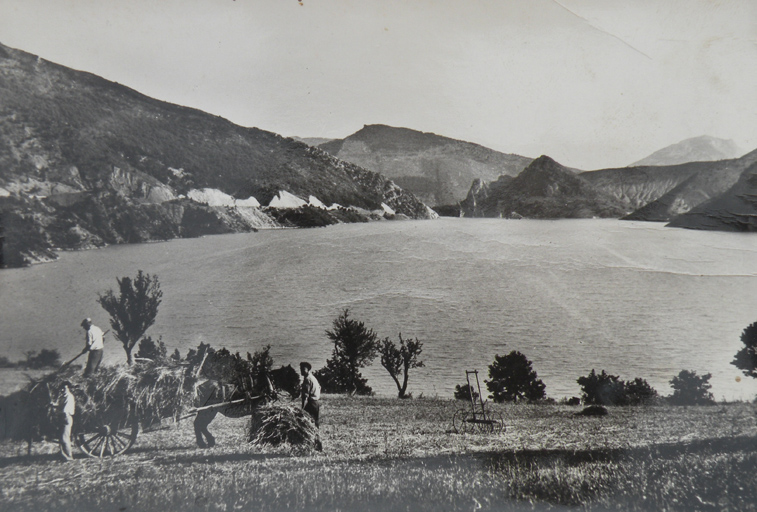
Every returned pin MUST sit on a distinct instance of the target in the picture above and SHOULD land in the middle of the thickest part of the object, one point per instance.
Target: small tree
(691, 389)
(465, 392)
(399, 360)
(133, 310)
(511, 378)
(149, 349)
(355, 347)
(746, 358)
(602, 389)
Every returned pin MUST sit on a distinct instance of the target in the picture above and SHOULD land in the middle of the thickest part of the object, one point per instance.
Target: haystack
(276, 425)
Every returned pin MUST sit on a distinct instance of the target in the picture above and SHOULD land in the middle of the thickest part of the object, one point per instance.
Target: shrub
(511, 378)
(746, 358)
(606, 389)
(246, 373)
(45, 359)
(639, 392)
(691, 389)
(355, 347)
(149, 349)
(465, 392)
(602, 389)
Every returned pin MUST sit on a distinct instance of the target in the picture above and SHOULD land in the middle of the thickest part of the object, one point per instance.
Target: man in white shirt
(67, 405)
(311, 392)
(94, 345)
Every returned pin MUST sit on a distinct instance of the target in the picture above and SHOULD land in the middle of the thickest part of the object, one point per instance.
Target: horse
(237, 401)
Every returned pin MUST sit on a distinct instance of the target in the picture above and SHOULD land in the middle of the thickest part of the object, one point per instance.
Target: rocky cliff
(703, 181)
(733, 210)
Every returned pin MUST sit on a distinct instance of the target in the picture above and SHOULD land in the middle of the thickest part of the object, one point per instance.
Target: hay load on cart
(111, 405)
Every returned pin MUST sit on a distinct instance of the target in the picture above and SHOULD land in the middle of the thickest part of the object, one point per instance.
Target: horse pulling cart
(478, 418)
(113, 431)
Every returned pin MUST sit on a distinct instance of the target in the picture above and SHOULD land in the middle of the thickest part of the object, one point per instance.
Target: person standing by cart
(311, 392)
(94, 345)
(67, 404)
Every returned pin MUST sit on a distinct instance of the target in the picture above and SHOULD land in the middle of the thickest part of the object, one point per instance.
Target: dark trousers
(93, 361)
(313, 407)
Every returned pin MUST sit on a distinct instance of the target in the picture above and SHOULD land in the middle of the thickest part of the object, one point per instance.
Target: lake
(635, 299)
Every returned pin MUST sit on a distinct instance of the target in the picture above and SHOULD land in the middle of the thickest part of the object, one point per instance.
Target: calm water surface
(634, 299)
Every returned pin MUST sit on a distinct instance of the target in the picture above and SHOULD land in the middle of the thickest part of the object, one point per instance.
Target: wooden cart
(113, 432)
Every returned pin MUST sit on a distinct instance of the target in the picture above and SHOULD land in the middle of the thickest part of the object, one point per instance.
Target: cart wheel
(459, 422)
(107, 440)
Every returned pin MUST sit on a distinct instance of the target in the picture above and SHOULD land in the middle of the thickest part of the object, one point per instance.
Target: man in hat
(94, 345)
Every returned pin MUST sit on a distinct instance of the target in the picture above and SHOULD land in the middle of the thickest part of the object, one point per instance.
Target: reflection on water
(634, 299)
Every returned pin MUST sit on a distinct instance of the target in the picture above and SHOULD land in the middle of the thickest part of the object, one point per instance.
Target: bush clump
(606, 389)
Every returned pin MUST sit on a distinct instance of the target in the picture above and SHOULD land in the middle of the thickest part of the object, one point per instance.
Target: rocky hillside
(544, 190)
(85, 161)
(733, 210)
(436, 169)
(709, 181)
(697, 149)
(636, 187)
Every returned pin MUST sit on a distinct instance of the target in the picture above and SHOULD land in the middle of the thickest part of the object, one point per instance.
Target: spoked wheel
(459, 422)
(107, 439)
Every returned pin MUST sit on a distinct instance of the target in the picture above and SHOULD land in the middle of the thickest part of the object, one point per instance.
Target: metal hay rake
(477, 418)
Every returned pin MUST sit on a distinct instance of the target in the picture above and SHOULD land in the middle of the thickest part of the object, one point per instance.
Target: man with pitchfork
(94, 345)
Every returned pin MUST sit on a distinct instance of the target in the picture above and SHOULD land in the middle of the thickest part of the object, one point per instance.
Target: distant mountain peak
(544, 176)
(437, 169)
(696, 149)
(543, 190)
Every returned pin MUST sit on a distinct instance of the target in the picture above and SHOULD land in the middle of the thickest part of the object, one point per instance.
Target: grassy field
(388, 454)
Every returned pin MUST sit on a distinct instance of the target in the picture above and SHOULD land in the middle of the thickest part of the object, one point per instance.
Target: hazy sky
(592, 83)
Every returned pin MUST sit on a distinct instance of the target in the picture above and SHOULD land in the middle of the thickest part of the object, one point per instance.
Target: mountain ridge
(84, 161)
(437, 169)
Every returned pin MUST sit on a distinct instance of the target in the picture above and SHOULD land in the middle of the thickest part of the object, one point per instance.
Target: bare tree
(133, 310)
(399, 360)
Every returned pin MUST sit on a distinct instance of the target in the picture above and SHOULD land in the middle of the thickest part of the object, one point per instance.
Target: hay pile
(147, 392)
(276, 425)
